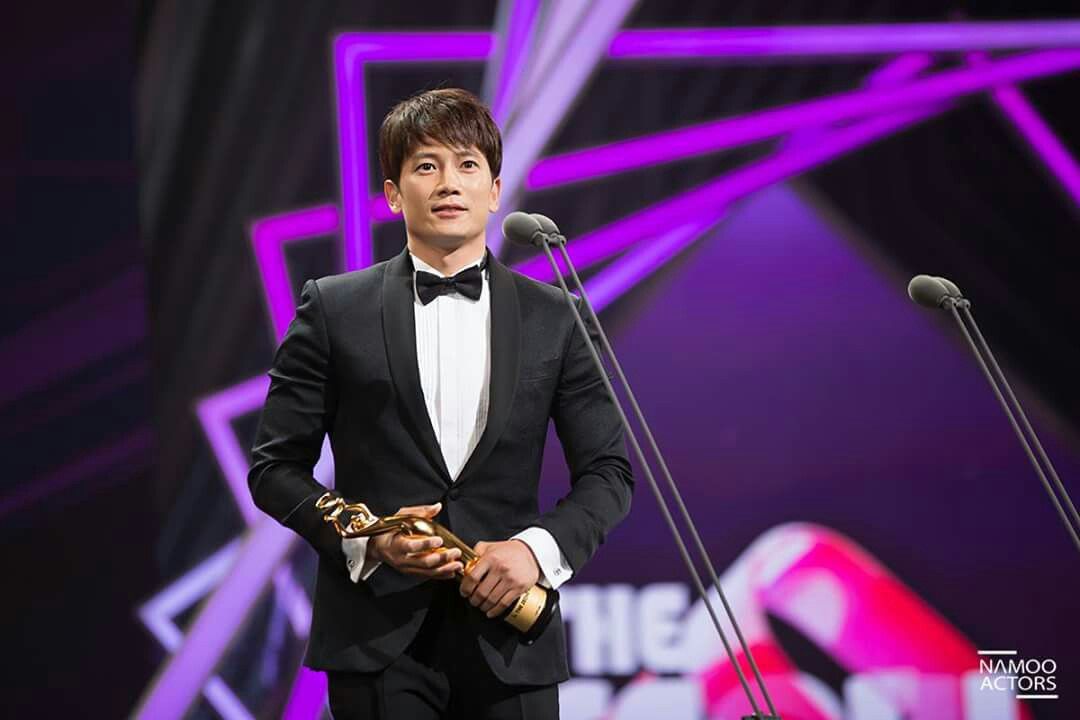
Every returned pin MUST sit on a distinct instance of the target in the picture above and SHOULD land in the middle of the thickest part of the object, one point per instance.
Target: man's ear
(496, 191)
(392, 195)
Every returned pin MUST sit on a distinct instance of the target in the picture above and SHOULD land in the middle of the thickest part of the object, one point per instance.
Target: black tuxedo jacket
(347, 367)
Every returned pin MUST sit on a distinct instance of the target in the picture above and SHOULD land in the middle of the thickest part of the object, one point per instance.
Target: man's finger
(475, 574)
(508, 599)
(420, 544)
(483, 590)
(494, 596)
(445, 572)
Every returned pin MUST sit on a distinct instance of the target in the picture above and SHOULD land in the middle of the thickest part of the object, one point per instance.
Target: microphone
(549, 227)
(927, 291)
(954, 291)
(939, 292)
(524, 229)
(539, 230)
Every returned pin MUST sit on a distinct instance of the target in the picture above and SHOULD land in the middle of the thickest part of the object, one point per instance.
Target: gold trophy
(529, 614)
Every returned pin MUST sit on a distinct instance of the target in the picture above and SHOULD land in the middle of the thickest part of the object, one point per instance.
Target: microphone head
(546, 224)
(522, 228)
(927, 291)
(950, 287)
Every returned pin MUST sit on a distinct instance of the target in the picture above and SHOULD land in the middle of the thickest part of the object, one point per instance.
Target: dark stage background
(162, 155)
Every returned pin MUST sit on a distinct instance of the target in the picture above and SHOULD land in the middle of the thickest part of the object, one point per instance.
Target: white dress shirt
(453, 354)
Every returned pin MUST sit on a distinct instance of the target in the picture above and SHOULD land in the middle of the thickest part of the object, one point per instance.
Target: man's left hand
(504, 571)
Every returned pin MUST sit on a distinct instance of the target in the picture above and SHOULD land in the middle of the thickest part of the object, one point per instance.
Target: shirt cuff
(554, 569)
(355, 550)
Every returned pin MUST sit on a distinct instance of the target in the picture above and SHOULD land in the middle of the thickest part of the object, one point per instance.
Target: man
(435, 374)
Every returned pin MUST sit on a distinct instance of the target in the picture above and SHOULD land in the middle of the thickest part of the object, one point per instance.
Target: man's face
(446, 194)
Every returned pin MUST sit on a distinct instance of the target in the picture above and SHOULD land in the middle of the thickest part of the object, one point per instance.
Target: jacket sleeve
(295, 419)
(588, 425)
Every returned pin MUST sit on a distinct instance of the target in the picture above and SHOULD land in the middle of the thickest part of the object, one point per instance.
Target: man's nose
(449, 182)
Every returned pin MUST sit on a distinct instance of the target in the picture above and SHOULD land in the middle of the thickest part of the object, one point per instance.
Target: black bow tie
(469, 282)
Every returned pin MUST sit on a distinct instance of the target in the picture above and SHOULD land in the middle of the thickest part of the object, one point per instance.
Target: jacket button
(454, 493)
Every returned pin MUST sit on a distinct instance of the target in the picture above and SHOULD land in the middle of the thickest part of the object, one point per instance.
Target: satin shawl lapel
(399, 331)
(505, 353)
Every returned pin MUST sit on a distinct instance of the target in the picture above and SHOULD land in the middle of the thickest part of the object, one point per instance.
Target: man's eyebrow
(433, 155)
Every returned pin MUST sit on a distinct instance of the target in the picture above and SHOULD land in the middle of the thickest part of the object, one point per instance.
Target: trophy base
(532, 613)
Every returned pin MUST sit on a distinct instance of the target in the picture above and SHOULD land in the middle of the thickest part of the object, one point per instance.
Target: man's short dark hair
(450, 116)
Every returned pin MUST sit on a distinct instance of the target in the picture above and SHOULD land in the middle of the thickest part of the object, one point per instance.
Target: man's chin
(449, 242)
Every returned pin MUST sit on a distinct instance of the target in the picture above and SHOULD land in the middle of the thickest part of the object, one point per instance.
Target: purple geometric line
(541, 113)
(1047, 146)
(615, 237)
(307, 697)
(352, 53)
(640, 261)
(216, 413)
(709, 137)
(506, 64)
(895, 71)
(269, 237)
(157, 615)
(220, 618)
(900, 69)
(840, 40)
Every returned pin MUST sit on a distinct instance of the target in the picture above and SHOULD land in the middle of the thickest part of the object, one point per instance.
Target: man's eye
(425, 166)
(471, 164)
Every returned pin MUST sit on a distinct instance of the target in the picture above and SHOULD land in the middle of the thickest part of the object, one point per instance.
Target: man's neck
(448, 261)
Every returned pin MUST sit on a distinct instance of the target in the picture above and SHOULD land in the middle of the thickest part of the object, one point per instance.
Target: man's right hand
(416, 554)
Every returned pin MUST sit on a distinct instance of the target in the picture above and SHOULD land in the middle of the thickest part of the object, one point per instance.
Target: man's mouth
(448, 210)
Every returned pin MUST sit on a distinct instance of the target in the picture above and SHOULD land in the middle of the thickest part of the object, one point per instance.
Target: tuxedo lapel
(399, 332)
(505, 355)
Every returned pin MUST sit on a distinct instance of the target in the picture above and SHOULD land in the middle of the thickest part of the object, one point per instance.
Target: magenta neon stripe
(655, 220)
(183, 676)
(1041, 137)
(641, 261)
(215, 414)
(897, 70)
(616, 279)
(379, 211)
(836, 40)
(900, 69)
(1047, 146)
(157, 615)
(307, 699)
(269, 237)
(352, 51)
(752, 127)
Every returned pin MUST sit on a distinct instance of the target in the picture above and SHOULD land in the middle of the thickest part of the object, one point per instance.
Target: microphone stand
(559, 240)
(960, 308)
